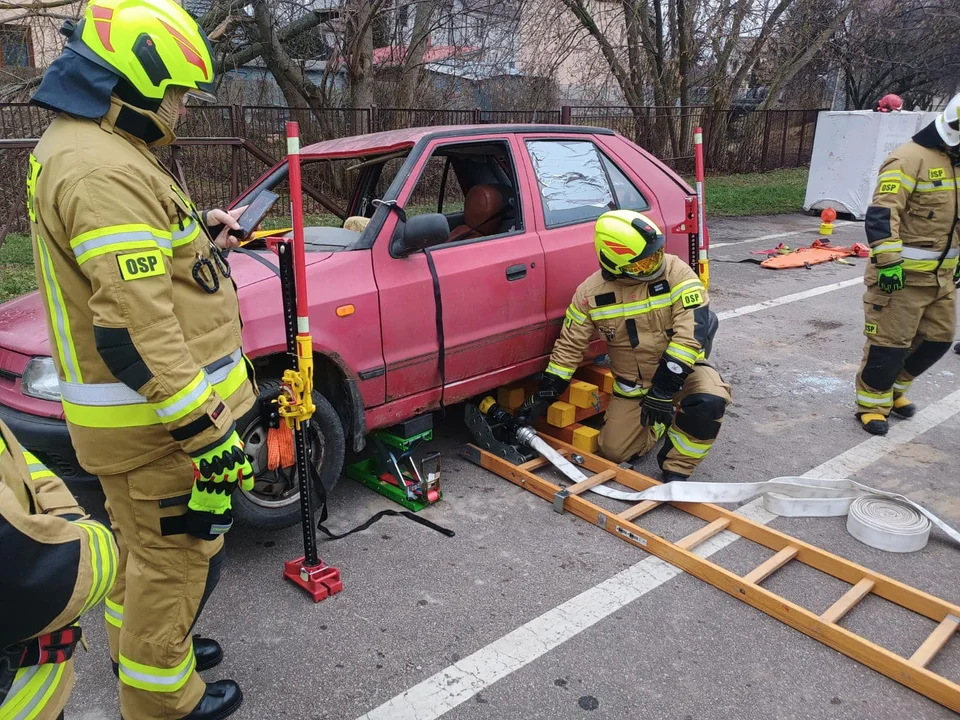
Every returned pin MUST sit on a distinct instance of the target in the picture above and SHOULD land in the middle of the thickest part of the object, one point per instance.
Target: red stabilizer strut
(320, 581)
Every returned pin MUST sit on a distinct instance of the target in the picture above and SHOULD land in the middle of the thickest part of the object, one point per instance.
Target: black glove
(657, 407)
(551, 387)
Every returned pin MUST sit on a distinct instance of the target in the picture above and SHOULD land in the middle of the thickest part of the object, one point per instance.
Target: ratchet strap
(438, 303)
(387, 513)
(884, 520)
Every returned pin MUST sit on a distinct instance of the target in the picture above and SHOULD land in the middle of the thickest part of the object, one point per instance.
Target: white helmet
(948, 122)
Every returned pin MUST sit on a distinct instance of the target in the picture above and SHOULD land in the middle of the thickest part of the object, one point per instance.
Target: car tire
(274, 503)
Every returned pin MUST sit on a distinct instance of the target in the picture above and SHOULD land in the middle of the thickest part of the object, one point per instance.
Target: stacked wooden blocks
(588, 395)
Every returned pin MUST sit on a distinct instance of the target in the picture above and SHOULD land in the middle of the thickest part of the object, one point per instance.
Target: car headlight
(40, 379)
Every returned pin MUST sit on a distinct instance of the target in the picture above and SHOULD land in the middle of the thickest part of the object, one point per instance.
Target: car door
(492, 288)
(575, 182)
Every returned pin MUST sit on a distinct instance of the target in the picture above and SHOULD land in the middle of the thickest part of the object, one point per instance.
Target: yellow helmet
(629, 243)
(153, 44)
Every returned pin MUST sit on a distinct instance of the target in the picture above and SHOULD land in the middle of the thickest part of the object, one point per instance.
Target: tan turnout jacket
(54, 569)
(640, 320)
(148, 361)
(912, 215)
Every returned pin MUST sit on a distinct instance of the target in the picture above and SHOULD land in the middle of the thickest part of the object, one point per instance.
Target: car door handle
(516, 272)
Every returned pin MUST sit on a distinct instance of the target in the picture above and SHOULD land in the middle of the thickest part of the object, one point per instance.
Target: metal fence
(736, 141)
(223, 148)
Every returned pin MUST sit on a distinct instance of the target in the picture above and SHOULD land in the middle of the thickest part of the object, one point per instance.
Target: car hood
(23, 325)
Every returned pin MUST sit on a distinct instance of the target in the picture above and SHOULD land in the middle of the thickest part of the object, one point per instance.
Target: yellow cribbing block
(586, 439)
(510, 396)
(583, 394)
(561, 414)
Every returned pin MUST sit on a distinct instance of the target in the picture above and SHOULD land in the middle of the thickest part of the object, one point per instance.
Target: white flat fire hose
(883, 520)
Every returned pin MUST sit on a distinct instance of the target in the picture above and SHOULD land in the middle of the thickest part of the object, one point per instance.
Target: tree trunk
(360, 64)
(413, 61)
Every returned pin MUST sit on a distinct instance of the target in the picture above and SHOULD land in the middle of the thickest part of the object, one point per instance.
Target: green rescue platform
(392, 470)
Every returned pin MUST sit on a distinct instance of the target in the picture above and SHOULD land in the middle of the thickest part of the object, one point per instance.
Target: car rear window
(578, 183)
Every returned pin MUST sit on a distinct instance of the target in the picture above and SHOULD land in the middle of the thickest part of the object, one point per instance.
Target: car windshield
(338, 197)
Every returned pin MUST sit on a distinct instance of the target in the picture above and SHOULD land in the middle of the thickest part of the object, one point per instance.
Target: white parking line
(786, 299)
(457, 683)
(777, 236)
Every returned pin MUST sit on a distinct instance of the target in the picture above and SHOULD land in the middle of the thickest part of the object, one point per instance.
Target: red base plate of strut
(320, 581)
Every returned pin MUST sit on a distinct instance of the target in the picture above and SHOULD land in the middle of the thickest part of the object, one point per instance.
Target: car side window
(578, 183)
(474, 185)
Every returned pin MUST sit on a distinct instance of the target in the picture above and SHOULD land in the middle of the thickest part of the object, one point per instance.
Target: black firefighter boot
(222, 699)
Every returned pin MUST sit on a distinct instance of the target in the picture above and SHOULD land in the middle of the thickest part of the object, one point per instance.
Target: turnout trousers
(165, 577)
(907, 331)
(700, 406)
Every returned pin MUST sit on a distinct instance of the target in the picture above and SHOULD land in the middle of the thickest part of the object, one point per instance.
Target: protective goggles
(645, 266)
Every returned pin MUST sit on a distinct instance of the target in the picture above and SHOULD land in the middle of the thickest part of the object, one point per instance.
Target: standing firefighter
(652, 311)
(910, 302)
(57, 564)
(145, 329)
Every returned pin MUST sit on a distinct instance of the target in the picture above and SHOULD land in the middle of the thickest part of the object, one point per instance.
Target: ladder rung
(534, 464)
(703, 534)
(765, 569)
(591, 482)
(539, 462)
(935, 642)
(848, 601)
(638, 510)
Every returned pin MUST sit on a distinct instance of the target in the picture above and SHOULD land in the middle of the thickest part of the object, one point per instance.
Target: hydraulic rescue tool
(295, 402)
(495, 429)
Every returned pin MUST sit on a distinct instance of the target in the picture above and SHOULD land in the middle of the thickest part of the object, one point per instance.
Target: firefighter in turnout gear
(144, 326)
(910, 302)
(57, 564)
(652, 311)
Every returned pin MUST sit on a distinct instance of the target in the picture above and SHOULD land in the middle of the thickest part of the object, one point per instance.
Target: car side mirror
(420, 232)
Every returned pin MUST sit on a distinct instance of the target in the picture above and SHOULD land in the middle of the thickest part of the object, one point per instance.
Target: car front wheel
(274, 501)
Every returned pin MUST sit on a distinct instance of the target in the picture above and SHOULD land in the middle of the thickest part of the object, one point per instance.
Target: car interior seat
(483, 213)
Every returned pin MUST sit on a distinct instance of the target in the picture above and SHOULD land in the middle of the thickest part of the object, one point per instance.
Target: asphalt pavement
(524, 614)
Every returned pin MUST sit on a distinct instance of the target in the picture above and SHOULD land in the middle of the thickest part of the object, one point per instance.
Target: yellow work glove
(216, 473)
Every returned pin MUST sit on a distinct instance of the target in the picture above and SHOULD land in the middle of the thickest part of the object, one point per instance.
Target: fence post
(372, 119)
(565, 113)
(476, 116)
(766, 140)
(803, 135)
(783, 142)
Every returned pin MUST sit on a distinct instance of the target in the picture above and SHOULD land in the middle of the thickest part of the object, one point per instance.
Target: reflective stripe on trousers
(112, 405)
(31, 691)
(156, 679)
(113, 613)
(627, 390)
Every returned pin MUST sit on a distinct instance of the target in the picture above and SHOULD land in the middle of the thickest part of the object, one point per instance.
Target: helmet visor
(201, 96)
(646, 266)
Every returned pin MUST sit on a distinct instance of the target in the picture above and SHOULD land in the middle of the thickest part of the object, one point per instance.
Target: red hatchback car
(507, 214)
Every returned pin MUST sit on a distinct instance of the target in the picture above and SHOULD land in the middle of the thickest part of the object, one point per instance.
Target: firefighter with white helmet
(144, 324)
(910, 305)
(652, 310)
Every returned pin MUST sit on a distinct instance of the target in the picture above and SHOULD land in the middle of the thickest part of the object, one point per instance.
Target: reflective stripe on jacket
(149, 362)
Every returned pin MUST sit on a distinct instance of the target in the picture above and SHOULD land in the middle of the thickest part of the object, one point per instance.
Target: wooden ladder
(912, 671)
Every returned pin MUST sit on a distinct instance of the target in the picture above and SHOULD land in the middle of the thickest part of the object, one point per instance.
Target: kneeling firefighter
(910, 305)
(652, 311)
(57, 564)
(144, 326)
